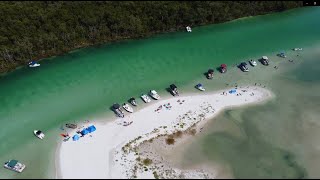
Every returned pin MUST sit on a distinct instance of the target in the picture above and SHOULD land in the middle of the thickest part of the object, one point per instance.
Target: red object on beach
(63, 135)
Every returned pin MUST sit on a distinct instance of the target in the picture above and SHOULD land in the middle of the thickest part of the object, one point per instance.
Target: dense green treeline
(34, 30)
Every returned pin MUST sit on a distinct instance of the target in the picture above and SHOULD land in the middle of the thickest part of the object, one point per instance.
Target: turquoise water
(83, 84)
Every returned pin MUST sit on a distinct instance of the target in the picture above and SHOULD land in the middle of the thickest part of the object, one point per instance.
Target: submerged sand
(112, 151)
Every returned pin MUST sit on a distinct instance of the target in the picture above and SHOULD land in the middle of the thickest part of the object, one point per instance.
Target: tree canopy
(34, 30)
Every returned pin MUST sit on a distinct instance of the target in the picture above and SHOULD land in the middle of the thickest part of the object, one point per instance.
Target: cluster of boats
(117, 109)
(244, 66)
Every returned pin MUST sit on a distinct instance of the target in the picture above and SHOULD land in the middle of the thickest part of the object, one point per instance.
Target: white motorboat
(200, 87)
(14, 165)
(145, 98)
(188, 28)
(127, 107)
(173, 90)
(154, 94)
(297, 49)
(39, 134)
(133, 101)
(253, 62)
(264, 60)
(33, 64)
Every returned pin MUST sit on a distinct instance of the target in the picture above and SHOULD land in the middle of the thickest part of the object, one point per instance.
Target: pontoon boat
(14, 165)
(174, 90)
(117, 110)
(145, 98)
(210, 73)
(243, 67)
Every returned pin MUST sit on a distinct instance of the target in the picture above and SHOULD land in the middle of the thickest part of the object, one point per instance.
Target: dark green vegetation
(35, 30)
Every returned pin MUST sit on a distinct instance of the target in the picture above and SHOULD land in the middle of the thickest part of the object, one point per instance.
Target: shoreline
(117, 144)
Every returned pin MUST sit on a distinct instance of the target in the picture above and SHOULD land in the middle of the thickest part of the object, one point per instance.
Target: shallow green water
(83, 84)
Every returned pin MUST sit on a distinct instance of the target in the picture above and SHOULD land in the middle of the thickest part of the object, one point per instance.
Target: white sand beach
(110, 151)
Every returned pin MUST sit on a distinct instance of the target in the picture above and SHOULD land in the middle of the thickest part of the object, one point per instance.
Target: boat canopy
(153, 92)
(38, 132)
(84, 131)
(265, 57)
(199, 85)
(210, 71)
(12, 163)
(243, 64)
(132, 99)
(116, 106)
(32, 62)
(223, 65)
(172, 86)
(76, 137)
(91, 128)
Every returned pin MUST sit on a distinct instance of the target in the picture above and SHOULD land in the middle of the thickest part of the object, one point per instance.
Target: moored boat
(145, 98)
(297, 49)
(243, 67)
(264, 60)
(210, 73)
(282, 54)
(72, 126)
(133, 101)
(223, 68)
(127, 107)
(33, 64)
(14, 165)
(188, 28)
(154, 94)
(117, 110)
(39, 134)
(253, 62)
(200, 87)
(174, 90)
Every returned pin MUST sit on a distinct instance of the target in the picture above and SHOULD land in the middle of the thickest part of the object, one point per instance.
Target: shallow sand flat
(101, 156)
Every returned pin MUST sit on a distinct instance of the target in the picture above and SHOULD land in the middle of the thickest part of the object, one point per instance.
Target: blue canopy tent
(76, 137)
(232, 91)
(91, 128)
(84, 132)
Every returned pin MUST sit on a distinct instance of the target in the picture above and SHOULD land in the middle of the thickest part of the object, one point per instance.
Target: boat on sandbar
(117, 110)
(209, 74)
(264, 60)
(39, 134)
(14, 165)
(174, 90)
(200, 87)
(33, 64)
(145, 98)
(133, 101)
(243, 67)
(253, 62)
(282, 54)
(72, 126)
(154, 94)
(297, 49)
(127, 107)
(188, 28)
(223, 68)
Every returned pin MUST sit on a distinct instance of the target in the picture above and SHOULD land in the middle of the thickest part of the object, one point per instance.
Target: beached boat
(282, 54)
(223, 68)
(117, 110)
(39, 134)
(154, 94)
(297, 49)
(264, 60)
(133, 101)
(188, 28)
(200, 87)
(174, 90)
(210, 74)
(253, 62)
(127, 107)
(72, 126)
(243, 67)
(145, 98)
(33, 64)
(14, 165)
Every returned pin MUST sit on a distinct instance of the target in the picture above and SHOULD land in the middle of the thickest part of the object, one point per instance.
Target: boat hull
(40, 136)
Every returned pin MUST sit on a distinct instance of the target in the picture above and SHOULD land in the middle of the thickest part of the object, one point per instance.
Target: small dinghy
(253, 62)
(39, 134)
(127, 107)
(133, 101)
(200, 87)
(188, 28)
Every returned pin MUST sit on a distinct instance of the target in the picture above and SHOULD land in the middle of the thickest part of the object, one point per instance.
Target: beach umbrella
(76, 137)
